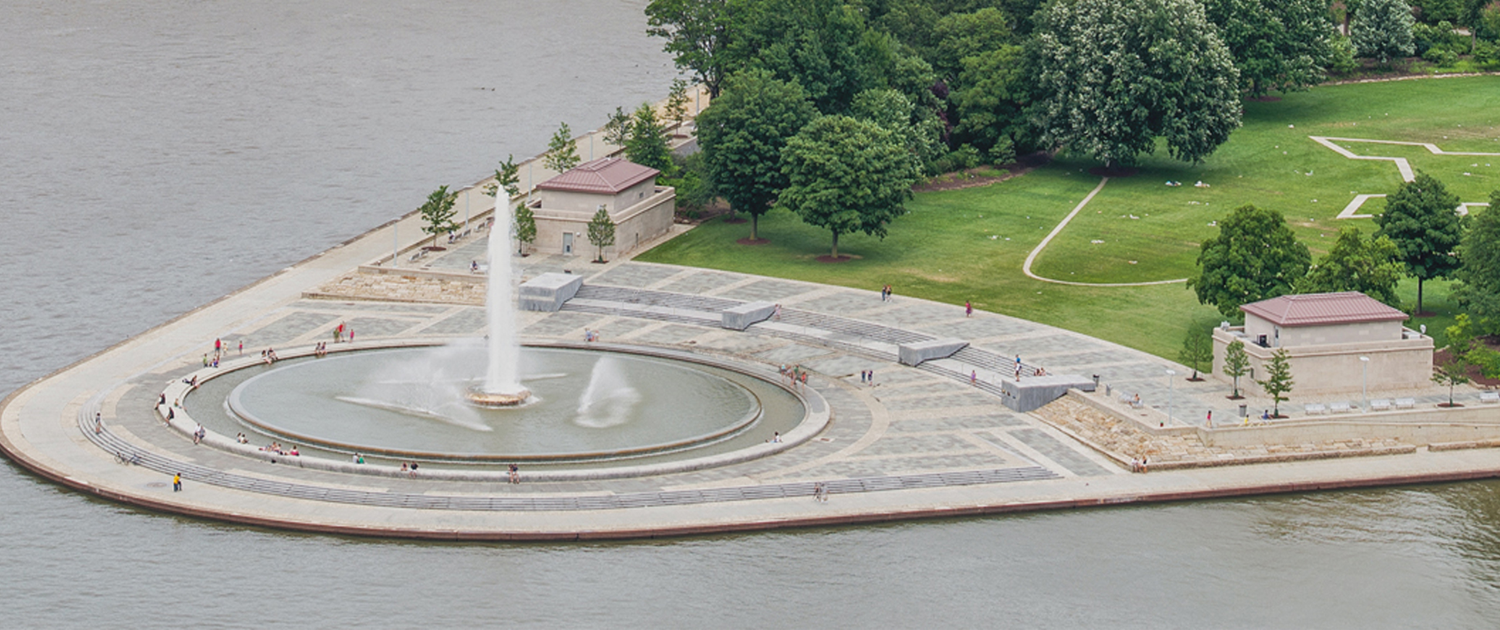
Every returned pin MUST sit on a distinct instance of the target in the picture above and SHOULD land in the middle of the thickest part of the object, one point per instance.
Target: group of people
(410, 469)
(275, 447)
(1138, 465)
(820, 492)
(515, 473)
(886, 293)
(794, 374)
(320, 350)
(342, 331)
(867, 377)
(590, 335)
(269, 356)
(199, 434)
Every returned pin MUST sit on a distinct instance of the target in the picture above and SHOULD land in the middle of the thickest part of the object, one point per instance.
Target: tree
(1197, 349)
(1118, 74)
(1357, 264)
(677, 101)
(601, 232)
(960, 35)
(990, 98)
(437, 213)
(1479, 290)
(1278, 381)
(507, 177)
(562, 152)
(1453, 372)
(698, 33)
(1236, 364)
(1421, 218)
(891, 109)
(1254, 257)
(823, 45)
(647, 144)
(1463, 338)
(617, 128)
(742, 136)
(525, 228)
(1276, 44)
(1382, 30)
(847, 175)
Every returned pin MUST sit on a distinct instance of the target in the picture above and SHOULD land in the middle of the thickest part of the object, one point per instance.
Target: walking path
(1351, 211)
(1030, 258)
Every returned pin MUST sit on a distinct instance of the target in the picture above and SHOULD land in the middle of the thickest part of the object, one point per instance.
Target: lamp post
(591, 144)
(1170, 373)
(1364, 385)
(466, 191)
(396, 243)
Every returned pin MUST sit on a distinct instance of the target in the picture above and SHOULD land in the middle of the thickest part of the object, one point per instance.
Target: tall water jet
(502, 384)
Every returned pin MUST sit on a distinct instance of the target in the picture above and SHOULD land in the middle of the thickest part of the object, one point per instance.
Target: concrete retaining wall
(742, 316)
(548, 291)
(914, 354)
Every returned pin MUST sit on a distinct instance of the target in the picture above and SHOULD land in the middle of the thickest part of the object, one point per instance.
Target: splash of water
(609, 399)
(502, 377)
(430, 386)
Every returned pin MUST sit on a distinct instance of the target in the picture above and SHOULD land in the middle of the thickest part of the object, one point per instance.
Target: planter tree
(1236, 364)
(1278, 381)
(525, 228)
(1197, 349)
(601, 232)
(437, 213)
(742, 136)
(562, 152)
(1452, 372)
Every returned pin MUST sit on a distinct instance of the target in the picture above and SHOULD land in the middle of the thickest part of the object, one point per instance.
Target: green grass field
(969, 244)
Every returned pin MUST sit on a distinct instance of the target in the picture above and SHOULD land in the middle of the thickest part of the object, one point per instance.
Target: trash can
(1243, 412)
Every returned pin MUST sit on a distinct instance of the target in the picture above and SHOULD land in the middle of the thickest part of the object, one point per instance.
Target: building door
(568, 243)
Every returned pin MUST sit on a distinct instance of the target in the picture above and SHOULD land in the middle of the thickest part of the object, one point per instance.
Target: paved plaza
(919, 441)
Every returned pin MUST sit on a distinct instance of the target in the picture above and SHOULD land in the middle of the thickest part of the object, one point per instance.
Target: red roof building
(604, 176)
(1323, 309)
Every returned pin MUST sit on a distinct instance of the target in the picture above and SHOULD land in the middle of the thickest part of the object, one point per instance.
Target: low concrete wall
(1420, 426)
(1031, 393)
(742, 316)
(914, 354)
(548, 291)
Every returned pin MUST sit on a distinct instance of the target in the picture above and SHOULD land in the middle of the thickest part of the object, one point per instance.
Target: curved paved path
(1030, 258)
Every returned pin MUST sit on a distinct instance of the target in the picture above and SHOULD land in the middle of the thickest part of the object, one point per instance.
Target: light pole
(1170, 373)
(395, 243)
(1364, 386)
(466, 191)
(591, 144)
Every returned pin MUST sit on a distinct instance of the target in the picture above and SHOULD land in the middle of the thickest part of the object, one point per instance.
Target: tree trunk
(835, 244)
(754, 226)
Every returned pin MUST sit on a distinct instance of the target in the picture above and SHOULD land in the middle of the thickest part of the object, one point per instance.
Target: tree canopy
(743, 134)
(1382, 29)
(1357, 264)
(562, 152)
(847, 175)
(647, 143)
(1479, 292)
(1276, 44)
(991, 96)
(601, 231)
(1118, 74)
(1254, 257)
(823, 45)
(437, 213)
(1421, 218)
(698, 33)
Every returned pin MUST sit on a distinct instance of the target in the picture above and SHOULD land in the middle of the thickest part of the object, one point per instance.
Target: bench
(1380, 404)
(1406, 403)
(1339, 407)
(1489, 397)
(1315, 409)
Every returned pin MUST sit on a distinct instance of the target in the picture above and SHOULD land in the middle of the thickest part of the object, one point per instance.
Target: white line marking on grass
(1026, 267)
(1407, 174)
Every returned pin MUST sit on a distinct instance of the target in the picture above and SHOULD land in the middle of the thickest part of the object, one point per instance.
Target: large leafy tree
(1119, 74)
(1382, 29)
(1277, 44)
(1479, 293)
(1357, 264)
(1254, 257)
(1421, 218)
(698, 33)
(890, 109)
(647, 144)
(743, 134)
(962, 35)
(847, 175)
(990, 98)
(823, 45)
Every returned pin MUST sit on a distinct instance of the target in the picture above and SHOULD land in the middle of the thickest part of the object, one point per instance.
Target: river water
(157, 154)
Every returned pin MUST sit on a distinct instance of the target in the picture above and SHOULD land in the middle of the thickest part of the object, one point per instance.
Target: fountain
(502, 385)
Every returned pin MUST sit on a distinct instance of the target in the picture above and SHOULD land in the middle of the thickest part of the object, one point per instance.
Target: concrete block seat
(1489, 397)
(1406, 403)
(1315, 409)
(1380, 404)
(1340, 407)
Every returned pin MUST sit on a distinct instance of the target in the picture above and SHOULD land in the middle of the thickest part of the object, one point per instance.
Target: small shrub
(1342, 61)
(1441, 56)
(964, 157)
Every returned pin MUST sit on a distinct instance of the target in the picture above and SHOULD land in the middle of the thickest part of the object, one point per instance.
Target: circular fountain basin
(584, 405)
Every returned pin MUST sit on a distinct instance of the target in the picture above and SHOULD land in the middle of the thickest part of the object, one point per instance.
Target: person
(777, 315)
(162, 400)
(776, 437)
(218, 345)
(515, 473)
(170, 415)
(359, 459)
(242, 347)
(177, 482)
(1144, 463)
(98, 423)
(350, 330)
(818, 492)
(1265, 414)
(403, 467)
(973, 376)
(1210, 418)
(968, 308)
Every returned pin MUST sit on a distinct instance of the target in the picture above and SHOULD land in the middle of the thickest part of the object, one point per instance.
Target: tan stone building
(1326, 335)
(564, 205)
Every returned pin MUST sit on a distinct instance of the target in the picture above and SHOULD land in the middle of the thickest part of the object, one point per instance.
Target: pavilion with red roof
(564, 205)
(1326, 335)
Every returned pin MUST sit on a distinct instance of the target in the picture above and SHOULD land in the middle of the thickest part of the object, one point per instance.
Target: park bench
(1406, 403)
(1339, 407)
(1380, 404)
(1489, 397)
(1314, 409)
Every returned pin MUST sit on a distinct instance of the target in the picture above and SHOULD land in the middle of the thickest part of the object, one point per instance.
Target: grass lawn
(969, 244)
